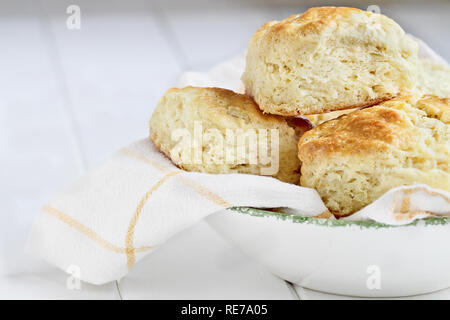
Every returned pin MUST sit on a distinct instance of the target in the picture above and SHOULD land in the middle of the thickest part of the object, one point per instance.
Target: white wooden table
(68, 98)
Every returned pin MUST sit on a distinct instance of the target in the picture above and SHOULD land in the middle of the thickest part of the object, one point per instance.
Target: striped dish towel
(122, 210)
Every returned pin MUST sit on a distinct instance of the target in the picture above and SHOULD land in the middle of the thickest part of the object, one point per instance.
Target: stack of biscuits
(355, 110)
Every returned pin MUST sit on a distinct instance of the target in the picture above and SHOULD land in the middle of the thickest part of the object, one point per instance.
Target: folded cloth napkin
(131, 204)
(137, 199)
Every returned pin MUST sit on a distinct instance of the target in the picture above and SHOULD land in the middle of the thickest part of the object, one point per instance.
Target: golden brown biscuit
(328, 59)
(218, 131)
(356, 158)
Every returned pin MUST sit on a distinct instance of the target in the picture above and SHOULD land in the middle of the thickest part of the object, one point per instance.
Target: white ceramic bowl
(365, 259)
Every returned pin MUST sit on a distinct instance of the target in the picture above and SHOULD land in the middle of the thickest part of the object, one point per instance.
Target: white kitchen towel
(131, 204)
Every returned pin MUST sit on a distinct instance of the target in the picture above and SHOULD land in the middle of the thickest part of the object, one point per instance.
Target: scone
(219, 131)
(328, 59)
(434, 78)
(354, 159)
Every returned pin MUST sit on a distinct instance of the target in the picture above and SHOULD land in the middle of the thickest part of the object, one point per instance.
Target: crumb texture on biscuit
(218, 111)
(354, 159)
(328, 59)
(434, 79)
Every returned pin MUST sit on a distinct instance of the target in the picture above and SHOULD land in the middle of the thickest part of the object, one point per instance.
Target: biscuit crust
(354, 159)
(222, 110)
(328, 59)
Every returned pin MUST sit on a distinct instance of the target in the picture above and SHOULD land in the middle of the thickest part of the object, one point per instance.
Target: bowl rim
(434, 221)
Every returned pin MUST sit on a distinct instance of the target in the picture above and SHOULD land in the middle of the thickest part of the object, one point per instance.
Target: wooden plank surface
(39, 156)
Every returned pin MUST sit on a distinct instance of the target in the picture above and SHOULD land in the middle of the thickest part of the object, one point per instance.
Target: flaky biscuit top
(414, 128)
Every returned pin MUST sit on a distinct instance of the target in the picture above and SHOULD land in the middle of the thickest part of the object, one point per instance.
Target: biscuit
(215, 115)
(354, 159)
(328, 59)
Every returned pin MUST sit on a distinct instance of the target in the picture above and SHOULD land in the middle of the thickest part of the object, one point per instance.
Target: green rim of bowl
(336, 223)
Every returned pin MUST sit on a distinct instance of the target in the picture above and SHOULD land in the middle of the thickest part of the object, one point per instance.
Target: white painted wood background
(68, 98)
